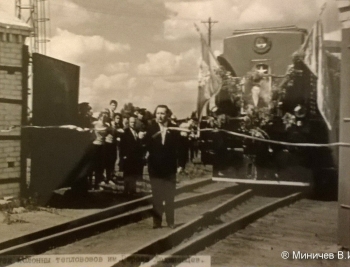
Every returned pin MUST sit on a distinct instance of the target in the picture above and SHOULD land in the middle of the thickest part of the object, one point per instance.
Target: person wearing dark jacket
(131, 157)
(254, 99)
(162, 144)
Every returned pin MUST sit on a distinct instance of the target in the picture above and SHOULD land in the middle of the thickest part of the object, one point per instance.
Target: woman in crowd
(101, 130)
(110, 153)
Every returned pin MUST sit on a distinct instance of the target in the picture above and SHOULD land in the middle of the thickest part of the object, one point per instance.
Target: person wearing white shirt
(111, 111)
(162, 143)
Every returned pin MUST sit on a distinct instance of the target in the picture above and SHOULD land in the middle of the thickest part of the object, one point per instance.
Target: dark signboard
(55, 91)
(57, 155)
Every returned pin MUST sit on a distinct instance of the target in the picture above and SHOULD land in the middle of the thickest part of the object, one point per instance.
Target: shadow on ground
(110, 196)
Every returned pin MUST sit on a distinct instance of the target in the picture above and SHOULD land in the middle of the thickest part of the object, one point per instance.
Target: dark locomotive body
(290, 90)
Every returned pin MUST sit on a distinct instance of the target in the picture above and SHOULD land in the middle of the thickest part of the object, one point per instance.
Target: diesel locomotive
(269, 93)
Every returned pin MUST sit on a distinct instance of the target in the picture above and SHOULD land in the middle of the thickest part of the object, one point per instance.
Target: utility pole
(210, 24)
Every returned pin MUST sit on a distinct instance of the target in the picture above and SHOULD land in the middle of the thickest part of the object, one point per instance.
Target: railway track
(198, 225)
(205, 213)
(109, 218)
(206, 229)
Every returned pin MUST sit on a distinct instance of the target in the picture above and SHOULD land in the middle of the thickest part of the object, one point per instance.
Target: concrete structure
(13, 102)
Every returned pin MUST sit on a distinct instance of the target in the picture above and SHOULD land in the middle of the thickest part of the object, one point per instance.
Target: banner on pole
(209, 80)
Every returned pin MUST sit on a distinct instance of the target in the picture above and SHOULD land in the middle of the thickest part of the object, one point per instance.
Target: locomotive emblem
(262, 68)
(262, 45)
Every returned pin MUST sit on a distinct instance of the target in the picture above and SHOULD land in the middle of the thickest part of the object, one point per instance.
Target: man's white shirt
(163, 129)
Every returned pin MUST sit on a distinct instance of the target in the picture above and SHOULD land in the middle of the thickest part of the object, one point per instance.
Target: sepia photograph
(190, 133)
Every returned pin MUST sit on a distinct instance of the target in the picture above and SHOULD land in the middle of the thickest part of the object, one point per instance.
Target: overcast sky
(147, 51)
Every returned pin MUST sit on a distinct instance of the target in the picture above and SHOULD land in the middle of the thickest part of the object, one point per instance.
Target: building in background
(13, 102)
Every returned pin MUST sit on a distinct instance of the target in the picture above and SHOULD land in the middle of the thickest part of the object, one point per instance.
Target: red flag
(310, 49)
(209, 80)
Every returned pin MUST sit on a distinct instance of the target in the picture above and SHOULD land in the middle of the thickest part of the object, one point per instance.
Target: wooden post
(344, 152)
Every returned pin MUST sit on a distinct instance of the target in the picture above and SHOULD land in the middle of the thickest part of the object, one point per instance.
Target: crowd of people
(124, 143)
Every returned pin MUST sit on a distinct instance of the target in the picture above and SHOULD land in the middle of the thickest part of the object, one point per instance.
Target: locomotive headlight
(262, 44)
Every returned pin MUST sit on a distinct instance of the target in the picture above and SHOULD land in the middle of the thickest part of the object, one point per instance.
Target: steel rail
(201, 242)
(168, 242)
(45, 243)
(98, 216)
(174, 238)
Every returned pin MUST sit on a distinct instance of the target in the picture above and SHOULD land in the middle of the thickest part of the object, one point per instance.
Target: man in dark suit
(131, 157)
(162, 145)
(254, 99)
